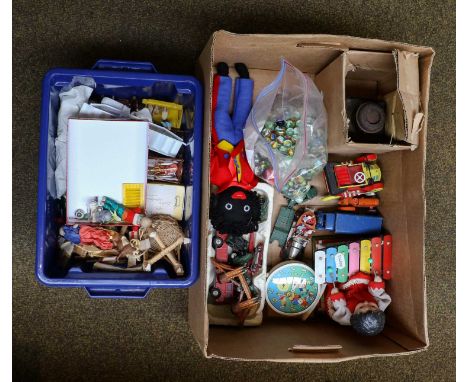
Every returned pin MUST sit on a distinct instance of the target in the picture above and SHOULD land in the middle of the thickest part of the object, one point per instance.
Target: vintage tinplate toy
(291, 289)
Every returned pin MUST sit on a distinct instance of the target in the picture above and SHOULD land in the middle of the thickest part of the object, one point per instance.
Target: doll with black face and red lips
(234, 207)
(235, 211)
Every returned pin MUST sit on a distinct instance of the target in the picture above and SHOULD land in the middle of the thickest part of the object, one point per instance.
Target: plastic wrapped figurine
(359, 302)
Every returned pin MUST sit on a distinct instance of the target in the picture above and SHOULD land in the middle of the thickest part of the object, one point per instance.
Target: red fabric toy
(228, 163)
(359, 302)
(96, 236)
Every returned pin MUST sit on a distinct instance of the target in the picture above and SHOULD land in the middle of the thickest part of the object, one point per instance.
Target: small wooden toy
(164, 238)
(361, 176)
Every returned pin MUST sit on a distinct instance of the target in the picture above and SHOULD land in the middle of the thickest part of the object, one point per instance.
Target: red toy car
(361, 176)
(222, 292)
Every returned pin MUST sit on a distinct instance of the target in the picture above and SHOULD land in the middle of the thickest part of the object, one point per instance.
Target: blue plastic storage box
(122, 79)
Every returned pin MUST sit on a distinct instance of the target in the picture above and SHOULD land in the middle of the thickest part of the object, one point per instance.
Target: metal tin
(291, 289)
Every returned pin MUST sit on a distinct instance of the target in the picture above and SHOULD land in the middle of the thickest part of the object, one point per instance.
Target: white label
(340, 261)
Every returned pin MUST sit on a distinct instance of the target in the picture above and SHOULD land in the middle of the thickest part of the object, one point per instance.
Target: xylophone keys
(387, 257)
(354, 252)
(330, 265)
(320, 267)
(341, 261)
(365, 260)
(376, 255)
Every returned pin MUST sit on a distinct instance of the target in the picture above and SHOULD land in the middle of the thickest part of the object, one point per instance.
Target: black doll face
(235, 211)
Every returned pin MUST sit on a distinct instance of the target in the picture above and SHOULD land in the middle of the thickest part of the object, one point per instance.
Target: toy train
(336, 262)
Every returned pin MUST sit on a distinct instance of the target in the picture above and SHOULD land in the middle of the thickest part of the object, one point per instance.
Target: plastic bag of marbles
(286, 133)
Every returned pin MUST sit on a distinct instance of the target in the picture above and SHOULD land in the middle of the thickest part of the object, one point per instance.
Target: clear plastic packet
(165, 170)
(286, 133)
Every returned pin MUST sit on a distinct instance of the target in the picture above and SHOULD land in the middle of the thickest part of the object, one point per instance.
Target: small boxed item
(165, 170)
(165, 199)
(87, 177)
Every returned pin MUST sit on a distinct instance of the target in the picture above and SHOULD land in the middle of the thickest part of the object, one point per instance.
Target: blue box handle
(117, 292)
(126, 66)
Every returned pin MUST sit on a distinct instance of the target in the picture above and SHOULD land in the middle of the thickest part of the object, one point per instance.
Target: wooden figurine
(162, 236)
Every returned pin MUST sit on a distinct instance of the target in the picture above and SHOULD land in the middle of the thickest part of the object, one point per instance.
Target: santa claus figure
(359, 302)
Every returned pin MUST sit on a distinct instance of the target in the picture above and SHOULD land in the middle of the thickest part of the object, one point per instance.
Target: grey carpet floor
(61, 334)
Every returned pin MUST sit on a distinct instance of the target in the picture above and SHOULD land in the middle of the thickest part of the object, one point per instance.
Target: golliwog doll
(234, 207)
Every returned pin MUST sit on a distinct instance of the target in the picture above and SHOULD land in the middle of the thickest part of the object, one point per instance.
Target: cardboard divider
(381, 76)
(402, 205)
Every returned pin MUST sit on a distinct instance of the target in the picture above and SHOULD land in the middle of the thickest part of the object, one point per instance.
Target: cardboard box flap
(272, 341)
(266, 53)
(330, 82)
(407, 64)
(341, 42)
(379, 69)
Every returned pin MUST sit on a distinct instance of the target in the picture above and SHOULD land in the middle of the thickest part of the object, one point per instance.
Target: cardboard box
(391, 77)
(402, 205)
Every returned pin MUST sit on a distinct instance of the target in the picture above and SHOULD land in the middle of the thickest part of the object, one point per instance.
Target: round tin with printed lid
(291, 289)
